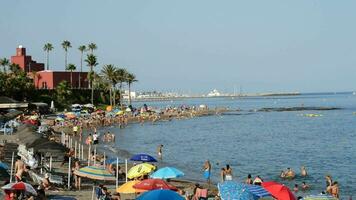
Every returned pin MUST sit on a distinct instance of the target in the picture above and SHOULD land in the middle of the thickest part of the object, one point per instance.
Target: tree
(47, 48)
(66, 45)
(109, 73)
(4, 62)
(121, 78)
(92, 47)
(81, 48)
(63, 92)
(71, 67)
(91, 62)
(130, 78)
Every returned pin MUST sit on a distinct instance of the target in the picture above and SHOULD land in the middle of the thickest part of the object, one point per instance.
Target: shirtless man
(19, 168)
(335, 190)
(290, 173)
(159, 151)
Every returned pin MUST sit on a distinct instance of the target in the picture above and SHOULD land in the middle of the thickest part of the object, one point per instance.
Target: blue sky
(197, 45)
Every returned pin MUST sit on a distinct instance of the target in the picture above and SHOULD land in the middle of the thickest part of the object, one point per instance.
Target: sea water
(256, 143)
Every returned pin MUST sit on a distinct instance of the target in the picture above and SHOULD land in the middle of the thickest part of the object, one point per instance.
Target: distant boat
(354, 93)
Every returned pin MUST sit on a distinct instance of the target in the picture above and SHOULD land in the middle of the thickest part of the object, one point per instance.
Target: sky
(194, 46)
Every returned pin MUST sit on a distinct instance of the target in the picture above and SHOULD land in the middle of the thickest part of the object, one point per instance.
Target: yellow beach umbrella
(109, 108)
(139, 170)
(128, 189)
(120, 112)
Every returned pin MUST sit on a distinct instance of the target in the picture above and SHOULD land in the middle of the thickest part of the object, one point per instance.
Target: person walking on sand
(95, 138)
(159, 151)
(207, 170)
(19, 168)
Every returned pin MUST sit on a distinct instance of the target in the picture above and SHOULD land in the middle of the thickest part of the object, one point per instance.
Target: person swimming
(303, 171)
(290, 174)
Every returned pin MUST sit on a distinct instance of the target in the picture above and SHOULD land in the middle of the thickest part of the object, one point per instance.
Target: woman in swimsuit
(228, 173)
(207, 170)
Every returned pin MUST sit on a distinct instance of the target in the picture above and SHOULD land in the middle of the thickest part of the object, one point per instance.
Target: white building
(214, 93)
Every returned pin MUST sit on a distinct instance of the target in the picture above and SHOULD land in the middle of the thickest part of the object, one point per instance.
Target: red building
(47, 79)
(25, 62)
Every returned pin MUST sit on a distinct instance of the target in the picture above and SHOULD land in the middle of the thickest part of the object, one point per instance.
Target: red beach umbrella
(20, 186)
(154, 184)
(278, 191)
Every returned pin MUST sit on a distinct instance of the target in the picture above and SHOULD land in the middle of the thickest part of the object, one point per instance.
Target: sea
(253, 142)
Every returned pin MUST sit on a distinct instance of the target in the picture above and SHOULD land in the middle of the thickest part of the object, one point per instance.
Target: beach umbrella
(167, 172)
(20, 186)
(230, 190)
(278, 191)
(61, 115)
(127, 188)
(59, 119)
(120, 112)
(108, 108)
(258, 191)
(154, 184)
(160, 195)
(95, 173)
(139, 170)
(143, 157)
(319, 197)
(4, 166)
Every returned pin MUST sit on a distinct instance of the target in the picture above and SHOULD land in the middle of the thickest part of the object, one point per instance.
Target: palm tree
(130, 78)
(71, 67)
(81, 48)
(63, 92)
(120, 77)
(92, 47)
(66, 45)
(4, 62)
(91, 62)
(109, 73)
(47, 48)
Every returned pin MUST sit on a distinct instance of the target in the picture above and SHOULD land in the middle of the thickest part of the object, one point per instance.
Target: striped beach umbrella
(20, 186)
(258, 191)
(320, 197)
(95, 173)
(167, 172)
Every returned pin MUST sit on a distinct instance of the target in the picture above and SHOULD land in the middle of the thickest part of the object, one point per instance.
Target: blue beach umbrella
(230, 190)
(143, 157)
(258, 191)
(167, 172)
(160, 195)
(4, 166)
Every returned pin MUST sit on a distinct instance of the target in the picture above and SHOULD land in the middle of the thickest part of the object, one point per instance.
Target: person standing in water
(303, 171)
(159, 151)
(207, 171)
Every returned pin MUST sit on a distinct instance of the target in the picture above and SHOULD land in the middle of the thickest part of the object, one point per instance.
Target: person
(106, 194)
(290, 173)
(303, 171)
(207, 170)
(249, 180)
(222, 174)
(334, 190)
(95, 138)
(75, 129)
(77, 179)
(283, 174)
(159, 151)
(228, 173)
(89, 139)
(296, 188)
(258, 181)
(328, 183)
(19, 168)
(67, 155)
(46, 184)
(305, 186)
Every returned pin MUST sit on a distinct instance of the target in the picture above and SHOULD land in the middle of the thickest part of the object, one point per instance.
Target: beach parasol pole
(75, 149)
(126, 170)
(50, 163)
(12, 164)
(89, 155)
(95, 155)
(82, 152)
(92, 193)
(79, 151)
(117, 172)
(41, 164)
(104, 160)
(69, 168)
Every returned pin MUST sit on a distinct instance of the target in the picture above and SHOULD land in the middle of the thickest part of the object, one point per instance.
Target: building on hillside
(47, 79)
(125, 95)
